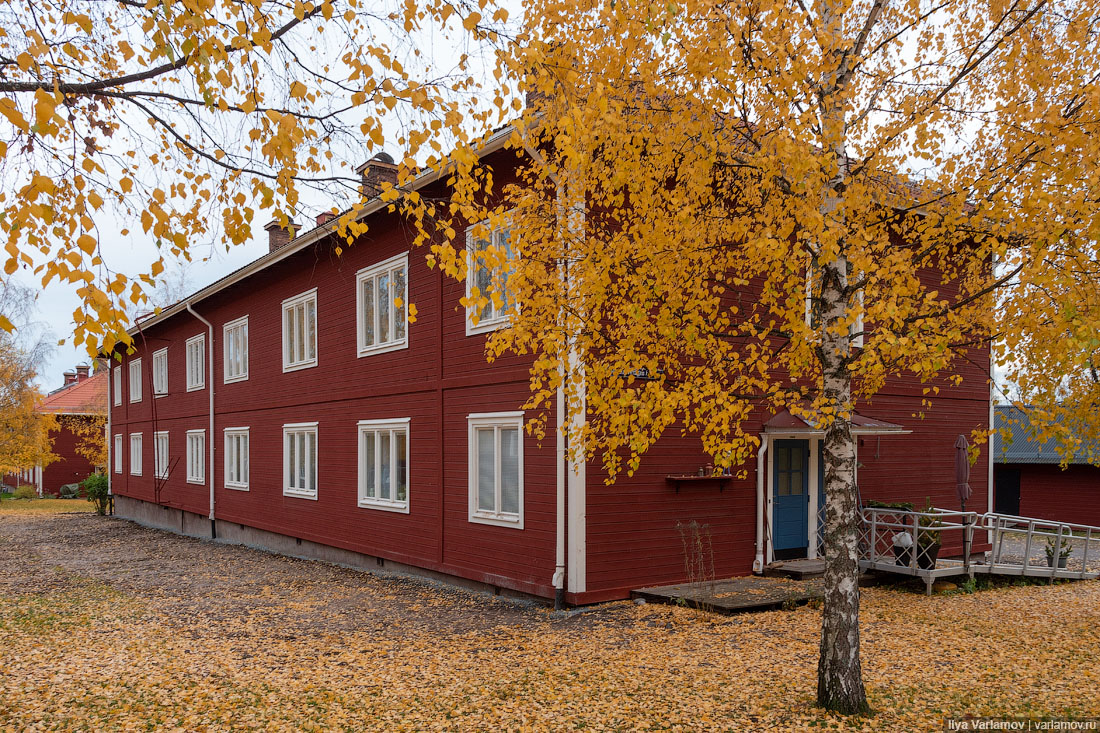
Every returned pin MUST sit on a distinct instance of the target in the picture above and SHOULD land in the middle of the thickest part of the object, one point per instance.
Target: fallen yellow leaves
(43, 506)
(159, 632)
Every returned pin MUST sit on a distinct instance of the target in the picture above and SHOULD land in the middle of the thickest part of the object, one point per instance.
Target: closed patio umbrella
(962, 470)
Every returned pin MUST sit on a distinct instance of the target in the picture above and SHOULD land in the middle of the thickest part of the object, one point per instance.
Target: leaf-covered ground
(109, 626)
(43, 506)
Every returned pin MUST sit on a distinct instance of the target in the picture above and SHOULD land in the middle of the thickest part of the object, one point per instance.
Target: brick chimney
(375, 172)
(324, 218)
(277, 236)
(70, 379)
(82, 371)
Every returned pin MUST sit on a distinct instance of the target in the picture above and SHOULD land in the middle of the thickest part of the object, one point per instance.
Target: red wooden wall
(1049, 492)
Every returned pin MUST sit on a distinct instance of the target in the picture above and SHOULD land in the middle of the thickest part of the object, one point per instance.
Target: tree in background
(783, 205)
(192, 119)
(24, 432)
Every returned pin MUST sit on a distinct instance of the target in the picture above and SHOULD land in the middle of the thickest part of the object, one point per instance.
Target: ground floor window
(300, 460)
(496, 468)
(236, 458)
(135, 454)
(160, 454)
(196, 456)
(384, 464)
(118, 453)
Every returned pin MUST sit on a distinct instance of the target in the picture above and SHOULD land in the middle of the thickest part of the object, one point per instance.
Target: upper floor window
(160, 454)
(496, 468)
(489, 254)
(300, 331)
(116, 386)
(196, 363)
(135, 380)
(135, 454)
(235, 346)
(382, 311)
(236, 458)
(118, 453)
(196, 456)
(384, 464)
(300, 460)
(160, 372)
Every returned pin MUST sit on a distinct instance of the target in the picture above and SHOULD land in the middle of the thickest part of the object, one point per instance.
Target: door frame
(814, 481)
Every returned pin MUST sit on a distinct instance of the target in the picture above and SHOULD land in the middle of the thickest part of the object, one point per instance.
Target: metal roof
(1016, 440)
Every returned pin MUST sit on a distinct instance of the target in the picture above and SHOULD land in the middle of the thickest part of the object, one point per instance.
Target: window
(160, 373)
(491, 282)
(160, 455)
(116, 387)
(300, 331)
(381, 314)
(196, 456)
(300, 460)
(118, 453)
(135, 380)
(235, 346)
(135, 454)
(236, 458)
(496, 468)
(196, 371)
(384, 464)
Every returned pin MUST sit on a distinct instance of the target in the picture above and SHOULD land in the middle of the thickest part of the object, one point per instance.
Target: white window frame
(235, 332)
(135, 465)
(496, 420)
(118, 452)
(160, 454)
(160, 372)
(371, 274)
(302, 299)
(196, 459)
(231, 436)
(497, 320)
(194, 369)
(116, 374)
(293, 429)
(377, 427)
(135, 380)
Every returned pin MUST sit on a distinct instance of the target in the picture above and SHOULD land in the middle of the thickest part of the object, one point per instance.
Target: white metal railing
(909, 542)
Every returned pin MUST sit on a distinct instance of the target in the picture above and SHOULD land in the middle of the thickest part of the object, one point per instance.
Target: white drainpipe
(210, 433)
(761, 471)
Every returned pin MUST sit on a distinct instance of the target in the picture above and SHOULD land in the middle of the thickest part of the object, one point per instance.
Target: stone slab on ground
(735, 595)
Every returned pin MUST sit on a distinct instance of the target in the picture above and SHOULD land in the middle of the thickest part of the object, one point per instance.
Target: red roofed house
(294, 405)
(82, 398)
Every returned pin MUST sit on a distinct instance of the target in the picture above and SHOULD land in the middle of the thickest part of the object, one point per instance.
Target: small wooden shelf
(693, 479)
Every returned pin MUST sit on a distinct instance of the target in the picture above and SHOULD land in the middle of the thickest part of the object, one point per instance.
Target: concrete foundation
(182, 522)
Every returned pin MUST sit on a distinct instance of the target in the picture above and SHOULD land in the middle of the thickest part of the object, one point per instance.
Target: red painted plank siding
(1049, 492)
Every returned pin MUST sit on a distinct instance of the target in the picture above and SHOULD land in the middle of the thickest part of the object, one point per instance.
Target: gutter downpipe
(210, 433)
(562, 477)
(109, 469)
(761, 463)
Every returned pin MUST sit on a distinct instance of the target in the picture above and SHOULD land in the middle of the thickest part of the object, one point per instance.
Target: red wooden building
(83, 397)
(1030, 480)
(291, 405)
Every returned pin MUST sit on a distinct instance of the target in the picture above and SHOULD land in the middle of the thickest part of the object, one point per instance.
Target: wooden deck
(735, 595)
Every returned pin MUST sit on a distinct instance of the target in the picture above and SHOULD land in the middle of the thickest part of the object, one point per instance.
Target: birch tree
(785, 204)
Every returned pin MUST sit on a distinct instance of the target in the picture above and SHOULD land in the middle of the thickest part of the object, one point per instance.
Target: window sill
(231, 380)
(134, 402)
(135, 474)
(487, 325)
(298, 367)
(383, 348)
(238, 487)
(198, 482)
(160, 477)
(402, 508)
(513, 521)
(300, 494)
(158, 395)
(199, 388)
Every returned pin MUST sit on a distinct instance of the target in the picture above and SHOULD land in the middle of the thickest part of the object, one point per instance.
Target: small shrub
(25, 492)
(95, 488)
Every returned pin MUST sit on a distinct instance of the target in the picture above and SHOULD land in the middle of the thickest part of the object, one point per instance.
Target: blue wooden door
(790, 510)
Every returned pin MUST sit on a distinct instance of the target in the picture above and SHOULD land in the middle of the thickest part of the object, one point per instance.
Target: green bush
(25, 492)
(95, 488)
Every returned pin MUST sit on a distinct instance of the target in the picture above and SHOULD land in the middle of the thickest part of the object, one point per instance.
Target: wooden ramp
(734, 595)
